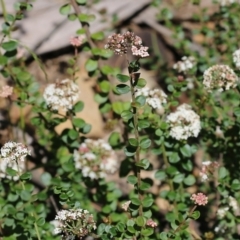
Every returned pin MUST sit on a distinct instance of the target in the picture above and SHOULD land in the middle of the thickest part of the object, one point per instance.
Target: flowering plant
(167, 165)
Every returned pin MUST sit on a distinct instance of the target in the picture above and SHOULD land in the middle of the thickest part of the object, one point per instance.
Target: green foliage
(68, 170)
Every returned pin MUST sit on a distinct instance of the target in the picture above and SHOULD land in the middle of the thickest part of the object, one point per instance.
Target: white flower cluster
(221, 212)
(184, 123)
(236, 58)
(219, 77)
(61, 95)
(185, 64)
(74, 222)
(208, 169)
(224, 3)
(96, 159)
(155, 98)
(12, 156)
(233, 204)
(12, 151)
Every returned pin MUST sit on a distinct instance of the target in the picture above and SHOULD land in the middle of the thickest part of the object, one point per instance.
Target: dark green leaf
(123, 78)
(133, 142)
(78, 107)
(114, 139)
(126, 115)
(122, 89)
(78, 122)
(26, 176)
(147, 202)
(132, 179)
(178, 178)
(160, 175)
(145, 143)
(10, 45)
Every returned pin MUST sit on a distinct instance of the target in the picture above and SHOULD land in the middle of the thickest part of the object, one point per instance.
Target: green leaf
(26, 176)
(189, 180)
(147, 202)
(195, 215)
(164, 236)
(174, 157)
(132, 179)
(78, 122)
(120, 227)
(86, 129)
(145, 185)
(78, 107)
(143, 123)
(222, 172)
(114, 139)
(3, 60)
(98, 36)
(91, 65)
(141, 100)
(119, 107)
(72, 17)
(81, 2)
(144, 163)
(133, 142)
(101, 98)
(135, 201)
(141, 83)
(10, 45)
(65, 9)
(73, 134)
(236, 111)
(41, 222)
(145, 143)
(186, 150)
(25, 195)
(86, 18)
(122, 89)
(170, 88)
(179, 178)
(160, 175)
(147, 232)
(105, 86)
(11, 172)
(123, 78)
(140, 221)
(126, 115)
(46, 178)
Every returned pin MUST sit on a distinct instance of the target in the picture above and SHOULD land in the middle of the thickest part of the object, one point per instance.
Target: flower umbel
(6, 91)
(75, 222)
(12, 156)
(151, 223)
(199, 199)
(236, 58)
(12, 151)
(154, 98)
(184, 123)
(185, 64)
(208, 169)
(61, 95)
(76, 41)
(96, 159)
(120, 43)
(219, 77)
